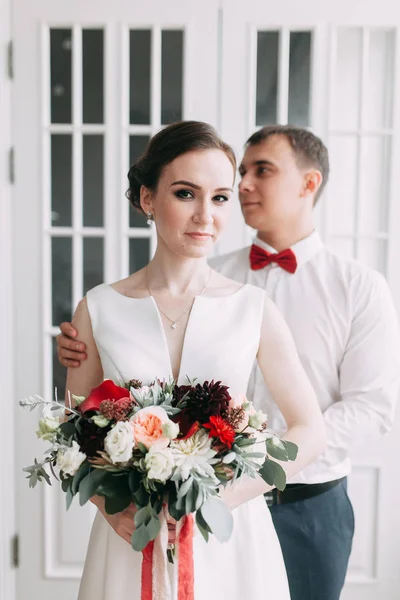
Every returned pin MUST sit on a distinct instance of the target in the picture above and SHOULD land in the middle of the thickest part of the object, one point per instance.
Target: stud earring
(150, 218)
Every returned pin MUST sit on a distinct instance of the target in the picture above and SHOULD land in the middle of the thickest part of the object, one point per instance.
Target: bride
(176, 318)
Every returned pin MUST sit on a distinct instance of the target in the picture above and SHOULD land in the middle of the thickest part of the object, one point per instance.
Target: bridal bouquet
(166, 448)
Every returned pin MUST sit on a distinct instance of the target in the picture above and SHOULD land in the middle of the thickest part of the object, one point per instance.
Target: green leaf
(135, 479)
(142, 448)
(291, 449)
(142, 516)
(280, 478)
(156, 502)
(200, 497)
(154, 527)
(273, 474)
(277, 452)
(67, 429)
(189, 501)
(141, 497)
(202, 525)
(66, 483)
(183, 490)
(116, 504)
(69, 497)
(140, 538)
(79, 475)
(89, 484)
(219, 518)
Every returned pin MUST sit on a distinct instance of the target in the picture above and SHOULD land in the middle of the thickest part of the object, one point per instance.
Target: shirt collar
(304, 249)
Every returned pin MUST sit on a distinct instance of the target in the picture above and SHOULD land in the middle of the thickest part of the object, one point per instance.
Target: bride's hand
(171, 530)
(122, 522)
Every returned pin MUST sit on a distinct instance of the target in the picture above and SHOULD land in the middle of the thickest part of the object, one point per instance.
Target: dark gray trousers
(316, 536)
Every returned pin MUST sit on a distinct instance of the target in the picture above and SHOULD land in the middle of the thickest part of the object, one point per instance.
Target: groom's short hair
(309, 150)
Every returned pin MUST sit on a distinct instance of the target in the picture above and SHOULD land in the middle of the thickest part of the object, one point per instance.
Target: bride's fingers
(171, 533)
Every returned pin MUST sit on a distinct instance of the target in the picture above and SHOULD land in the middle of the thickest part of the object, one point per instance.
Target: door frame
(7, 438)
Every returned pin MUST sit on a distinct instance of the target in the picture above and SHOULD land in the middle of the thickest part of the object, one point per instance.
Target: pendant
(174, 325)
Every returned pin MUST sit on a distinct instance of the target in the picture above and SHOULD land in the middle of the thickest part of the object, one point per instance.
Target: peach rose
(147, 425)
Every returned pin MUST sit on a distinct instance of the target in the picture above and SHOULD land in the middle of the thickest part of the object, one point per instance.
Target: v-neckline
(165, 341)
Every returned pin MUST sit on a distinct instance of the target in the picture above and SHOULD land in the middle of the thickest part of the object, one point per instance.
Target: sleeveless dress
(221, 343)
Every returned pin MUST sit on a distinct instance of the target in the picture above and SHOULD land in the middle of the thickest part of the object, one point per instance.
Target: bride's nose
(204, 213)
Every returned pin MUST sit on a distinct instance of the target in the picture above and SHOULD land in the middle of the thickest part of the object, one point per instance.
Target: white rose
(119, 442)
(159, 464)
(257, 419)
(70, 459)
(171, 430)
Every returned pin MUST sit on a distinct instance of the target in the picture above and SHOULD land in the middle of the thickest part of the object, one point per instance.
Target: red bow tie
(260, 258)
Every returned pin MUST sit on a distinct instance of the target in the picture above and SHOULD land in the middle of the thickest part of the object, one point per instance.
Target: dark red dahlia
(202, 401)
(90, 437)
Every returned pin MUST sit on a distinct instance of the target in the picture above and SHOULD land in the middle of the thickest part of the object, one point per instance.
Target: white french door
(94, 80)
(334, 67)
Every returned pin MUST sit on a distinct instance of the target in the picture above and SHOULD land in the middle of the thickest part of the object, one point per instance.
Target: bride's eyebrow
(197, 187)
(183, 182)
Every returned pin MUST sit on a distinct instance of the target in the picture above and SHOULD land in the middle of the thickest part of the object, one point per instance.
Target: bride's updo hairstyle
(169, 143)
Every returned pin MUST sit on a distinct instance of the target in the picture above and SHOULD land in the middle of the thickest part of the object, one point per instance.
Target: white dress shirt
(343, 321)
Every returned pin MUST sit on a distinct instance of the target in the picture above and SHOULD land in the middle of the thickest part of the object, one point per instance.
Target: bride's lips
(196, 235)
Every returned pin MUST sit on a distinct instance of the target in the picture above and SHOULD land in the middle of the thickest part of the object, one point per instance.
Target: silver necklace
(174, 322)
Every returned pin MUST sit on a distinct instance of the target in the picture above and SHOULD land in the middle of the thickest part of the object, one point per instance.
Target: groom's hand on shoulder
(70, 350)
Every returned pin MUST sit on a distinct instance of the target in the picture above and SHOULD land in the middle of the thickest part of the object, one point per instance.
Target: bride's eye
(220, 199)
(184, 194)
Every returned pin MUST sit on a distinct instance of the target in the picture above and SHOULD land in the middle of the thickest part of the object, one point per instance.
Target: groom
(344, 324)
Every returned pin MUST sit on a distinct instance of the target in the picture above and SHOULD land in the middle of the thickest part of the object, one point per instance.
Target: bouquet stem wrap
(156, 584)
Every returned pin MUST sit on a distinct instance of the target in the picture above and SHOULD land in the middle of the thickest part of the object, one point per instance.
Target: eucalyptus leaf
(142, 516)
(141, 497)
(153, 527)
(66, 483)
(69, 497)
(218, 517)
(273, 474)
(229, 458)
(277, 452)
(116, 504)
(140, 538)
(291, 449)
(67, 429)
(89, 484)
(79, 475)
(134, 480)
(280, 478)
(202, 525)
(189, 501)
(175, 512)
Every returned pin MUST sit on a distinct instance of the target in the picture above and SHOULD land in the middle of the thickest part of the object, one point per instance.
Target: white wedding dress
(221, 343)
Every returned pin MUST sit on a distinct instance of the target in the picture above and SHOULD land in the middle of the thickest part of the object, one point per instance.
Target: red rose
(221, 430)
(106, 391)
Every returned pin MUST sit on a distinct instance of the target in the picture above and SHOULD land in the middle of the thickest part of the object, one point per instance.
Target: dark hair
(308, 149)
(169, 143)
